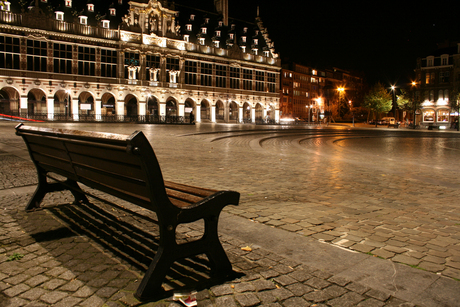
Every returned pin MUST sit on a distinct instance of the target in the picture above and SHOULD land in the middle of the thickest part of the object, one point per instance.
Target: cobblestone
(418, 227)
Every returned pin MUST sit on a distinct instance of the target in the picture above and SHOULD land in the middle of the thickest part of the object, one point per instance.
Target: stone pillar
(162, 110)
(253, 115)
(198, 114)
(240, 114)
(74, 106)
(97, 109)
(181, 109)
(50, 107)
(142, 108)
(23, 105)
(277, 115)
(120, 109)
(213, 114)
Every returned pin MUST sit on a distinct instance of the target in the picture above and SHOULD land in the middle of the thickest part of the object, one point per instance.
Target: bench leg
(150, 286)
(76, 191)
(220, 265)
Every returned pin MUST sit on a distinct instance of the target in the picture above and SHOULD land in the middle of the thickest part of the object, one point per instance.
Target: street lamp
(309, 110)
(393, 88)
(351, 110)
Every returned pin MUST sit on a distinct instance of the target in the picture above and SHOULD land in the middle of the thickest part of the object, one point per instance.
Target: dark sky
(381, 38)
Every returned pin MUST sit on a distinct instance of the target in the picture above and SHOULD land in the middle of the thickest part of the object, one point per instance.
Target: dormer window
(187, 38)
(83, 20)
(267, 53)
(313, 72)
(188, 27)
(202, 41)
(243, 39)
(221, 23)
(256, 41)
(44, 1)
(429, 61)
(90, 7)
(112, 11)
(231, 35)
(6, 6)
(60, 16)
(106, 24)
(218, 33)
(243, 48)
(204, 30)
(192, 17)
(206, 20)
(120, 2)
(245, 30)
(255, 51)
(444, 59)
(68, 3)
(216, 44)
(257, 32)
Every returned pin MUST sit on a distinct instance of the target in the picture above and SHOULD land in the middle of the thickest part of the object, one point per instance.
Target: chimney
(222, 8)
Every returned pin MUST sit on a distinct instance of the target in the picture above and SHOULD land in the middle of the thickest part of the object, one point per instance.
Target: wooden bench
(125, 166)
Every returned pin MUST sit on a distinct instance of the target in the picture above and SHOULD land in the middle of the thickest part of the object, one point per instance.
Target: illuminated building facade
(145, 61)
(437, 82)
(311, 94)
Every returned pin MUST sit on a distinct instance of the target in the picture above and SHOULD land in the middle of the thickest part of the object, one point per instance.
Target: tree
(377, 100)
(410, 103)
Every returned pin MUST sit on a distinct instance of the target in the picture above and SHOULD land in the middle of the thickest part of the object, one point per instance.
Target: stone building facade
(145, 61)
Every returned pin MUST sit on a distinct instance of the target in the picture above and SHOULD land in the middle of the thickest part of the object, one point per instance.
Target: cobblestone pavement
(384, 193)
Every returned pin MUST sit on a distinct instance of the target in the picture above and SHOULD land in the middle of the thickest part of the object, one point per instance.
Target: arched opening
(108, 110)
(233, 111)
(205, 111)
(5, 107)
(36, 104)
(246, 113)
(189, 112)
(219, 111)
(152, 109)
(259, 113)
(131, 108)
(270, 115)
(86, 107)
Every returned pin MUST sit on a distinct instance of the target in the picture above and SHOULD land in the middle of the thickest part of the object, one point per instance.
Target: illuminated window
(106, 24)
(218, 33)
(91, 7)
(188, 27)
(202, 41)
(186, 38)
(68, 3)
(83, 20)
(60, 16)
(443, 115)
(428, 116)
(112, 11)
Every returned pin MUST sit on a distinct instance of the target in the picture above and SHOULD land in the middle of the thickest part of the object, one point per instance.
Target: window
(202, 41)
(221, 76)
(112, 11)
(172, 65)
(188, 27)
(429, 61)
(218, 33)
(444, 60)
(9, 52)
(260, 79)
(234, 77)
(204, 30)
(106, 24)
(83, 20)
(443, 115)
(62, 58)
(428, 116)
(90, 7)
(444, 76)
(271, 82)
(191, 69)
(187, 38)
(36, 55)
(60, 16)
(206, 74)
(247, 79)
(152, 66)
(109, 63)
(86, 61)
(68, 3)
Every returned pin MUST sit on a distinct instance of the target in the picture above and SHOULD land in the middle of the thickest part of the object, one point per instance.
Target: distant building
(437, 82)
(311, 94)
(148, 61)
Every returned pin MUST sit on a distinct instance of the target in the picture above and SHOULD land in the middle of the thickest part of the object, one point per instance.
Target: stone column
(213, 114)
(198, 114)
(50, 107)
(23, 105)
(97, 109)
(74, 106)
(253, 115)
(240, 114)
(120, 109)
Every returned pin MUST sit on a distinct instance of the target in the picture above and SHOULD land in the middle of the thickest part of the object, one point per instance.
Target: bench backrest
(121, 165)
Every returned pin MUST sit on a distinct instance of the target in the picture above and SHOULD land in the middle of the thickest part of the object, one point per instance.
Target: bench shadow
(134, 238)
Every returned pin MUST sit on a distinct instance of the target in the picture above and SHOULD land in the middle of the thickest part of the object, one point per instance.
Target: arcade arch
(205, 111)
(219, 111)
(131, 107)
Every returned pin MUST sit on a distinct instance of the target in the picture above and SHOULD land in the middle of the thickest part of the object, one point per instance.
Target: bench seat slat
(188, 198)
(189, 189)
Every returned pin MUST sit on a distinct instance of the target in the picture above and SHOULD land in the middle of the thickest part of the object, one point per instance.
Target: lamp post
(351, 110)
(393, 88)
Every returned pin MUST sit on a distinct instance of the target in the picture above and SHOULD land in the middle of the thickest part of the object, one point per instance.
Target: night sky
(382, 39)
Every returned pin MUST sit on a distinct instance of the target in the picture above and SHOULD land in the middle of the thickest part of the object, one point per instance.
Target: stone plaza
(329, 216)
